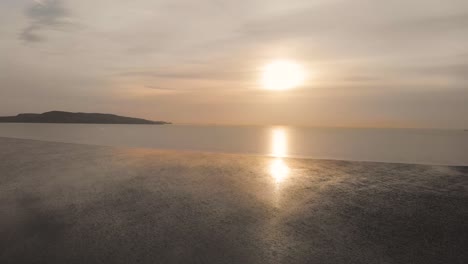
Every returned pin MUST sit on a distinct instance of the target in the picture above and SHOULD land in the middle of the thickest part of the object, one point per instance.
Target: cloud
(199, 75)
(329, 26)
(45, 15)
(440, 23)
(29, 34)
(458, 71)
(159, 88)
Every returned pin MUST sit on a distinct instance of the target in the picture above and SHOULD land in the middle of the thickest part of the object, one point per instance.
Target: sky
(369, 63)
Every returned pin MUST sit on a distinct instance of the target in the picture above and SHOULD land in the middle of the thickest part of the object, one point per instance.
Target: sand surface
(70, 203)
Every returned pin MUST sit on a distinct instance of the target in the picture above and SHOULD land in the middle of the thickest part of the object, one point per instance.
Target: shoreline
(194, 151)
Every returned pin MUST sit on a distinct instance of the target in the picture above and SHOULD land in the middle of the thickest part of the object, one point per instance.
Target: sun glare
(279, 170)
(279, 143)
(282, 75)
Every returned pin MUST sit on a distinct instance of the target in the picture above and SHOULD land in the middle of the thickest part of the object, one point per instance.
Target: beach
(76, 203)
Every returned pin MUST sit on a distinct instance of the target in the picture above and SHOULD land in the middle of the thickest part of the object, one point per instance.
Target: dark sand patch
(69, 203)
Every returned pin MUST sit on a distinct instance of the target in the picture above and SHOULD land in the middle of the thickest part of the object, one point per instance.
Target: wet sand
(71, 203)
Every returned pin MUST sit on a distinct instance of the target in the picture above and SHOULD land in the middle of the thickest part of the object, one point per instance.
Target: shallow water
(444, 147)
(72, 203)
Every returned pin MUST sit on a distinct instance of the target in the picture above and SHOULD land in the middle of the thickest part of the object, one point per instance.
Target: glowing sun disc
(282, 75)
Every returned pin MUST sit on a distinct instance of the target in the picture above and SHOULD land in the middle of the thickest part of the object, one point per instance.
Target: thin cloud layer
(44, 15)
(368, 62)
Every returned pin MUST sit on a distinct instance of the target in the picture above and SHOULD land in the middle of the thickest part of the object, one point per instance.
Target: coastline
(67, 202)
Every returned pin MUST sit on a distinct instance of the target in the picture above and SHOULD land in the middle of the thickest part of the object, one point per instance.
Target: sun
(282, 75)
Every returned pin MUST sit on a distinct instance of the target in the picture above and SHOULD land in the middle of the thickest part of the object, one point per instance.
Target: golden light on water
(282, 75)
(278, 143)
(278, 168)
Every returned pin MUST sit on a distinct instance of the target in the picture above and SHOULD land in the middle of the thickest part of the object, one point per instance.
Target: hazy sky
(399, 63)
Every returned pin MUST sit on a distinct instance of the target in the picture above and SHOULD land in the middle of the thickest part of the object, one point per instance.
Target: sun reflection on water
(278, 168)
(279, 143)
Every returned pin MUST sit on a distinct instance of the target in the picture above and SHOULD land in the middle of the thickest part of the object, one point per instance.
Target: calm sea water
(447, 147)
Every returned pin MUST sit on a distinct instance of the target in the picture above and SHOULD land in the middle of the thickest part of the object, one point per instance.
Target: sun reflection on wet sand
(278, 168)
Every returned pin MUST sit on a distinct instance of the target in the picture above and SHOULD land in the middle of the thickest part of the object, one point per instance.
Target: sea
(416, 146)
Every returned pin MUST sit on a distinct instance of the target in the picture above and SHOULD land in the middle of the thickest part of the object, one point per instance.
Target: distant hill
(81, 118)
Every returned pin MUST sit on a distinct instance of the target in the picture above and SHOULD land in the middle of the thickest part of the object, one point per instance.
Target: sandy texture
(69, 203)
